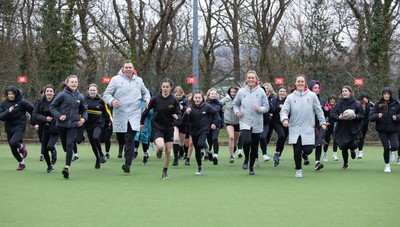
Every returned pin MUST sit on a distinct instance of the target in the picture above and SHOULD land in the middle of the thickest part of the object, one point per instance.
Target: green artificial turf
(224, 196)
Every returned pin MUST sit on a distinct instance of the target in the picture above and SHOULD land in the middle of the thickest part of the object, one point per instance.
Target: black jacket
(16, 120)
(41, 112)
(164, 108)
(200, 118)
(386, 123)
(217, 105)
(69, 103)
(98, 113)
(348, 132)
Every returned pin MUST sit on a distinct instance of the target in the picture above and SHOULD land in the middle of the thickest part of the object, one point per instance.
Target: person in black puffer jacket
(70, 111)
(316, 87)
(266, 134)
(367, 105)
(200, 115)
(212, 137)
(276, 124)
(386, 115)
(13, 112)
(49, 132)
(348, 131)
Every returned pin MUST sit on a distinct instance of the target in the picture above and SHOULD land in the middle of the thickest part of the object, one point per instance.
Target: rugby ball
(349, 114)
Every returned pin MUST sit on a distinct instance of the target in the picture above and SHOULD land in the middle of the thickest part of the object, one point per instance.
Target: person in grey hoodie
(249, 105)
(298, 113)
(231, 122)
(124, 93)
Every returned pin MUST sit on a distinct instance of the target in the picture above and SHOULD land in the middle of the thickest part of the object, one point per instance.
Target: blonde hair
(210, 90)
(270, 88)
(253, 72)
(179, 89)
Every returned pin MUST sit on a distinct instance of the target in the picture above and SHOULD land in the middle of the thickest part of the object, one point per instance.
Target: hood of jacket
(15, 90)
(122, 73)
(311, 84)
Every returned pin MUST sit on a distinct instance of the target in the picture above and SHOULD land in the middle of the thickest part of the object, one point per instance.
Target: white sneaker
(266, 158)
(335, 157)
(257, 163)
(299, 174)
(387, 168)
(392, 156)
(398, 160)
(325, 157)
(360, 155)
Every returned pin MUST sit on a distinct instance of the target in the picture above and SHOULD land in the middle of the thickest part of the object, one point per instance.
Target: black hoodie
(15, 120)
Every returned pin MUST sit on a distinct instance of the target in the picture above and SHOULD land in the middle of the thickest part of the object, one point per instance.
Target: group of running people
(177, 123)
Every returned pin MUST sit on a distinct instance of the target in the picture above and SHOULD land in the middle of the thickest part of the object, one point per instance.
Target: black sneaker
(353, 154)
(176, 162)
(210, 157)
(318, 166)
(144, 159)
(276, 159)
(135, 154)
(50, 169)
(215, 160)
(97, 165)
(75, 159)
(107, 155)
(305, 157)
(164, 175)
(126, 168)
(251, 172)
(240, 155)
(65, 172)
(103, 159)
(345, 166)
(187, 162)
(119, 155)
(54, 157)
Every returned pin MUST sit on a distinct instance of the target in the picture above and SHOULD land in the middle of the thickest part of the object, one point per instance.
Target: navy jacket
(200, 118)
(69, 103)
(16, 120)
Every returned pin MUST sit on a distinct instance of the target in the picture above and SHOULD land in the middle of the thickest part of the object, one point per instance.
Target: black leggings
(298, 149)
(282, 133)
(14, 140)
(94, 139)
(264, 139)
(199, 143)
(68, 138)
(105, 137)
(212, 140)
(387, 138)
(364, 132)
(328, 135)
(48, 141)
(250, 146)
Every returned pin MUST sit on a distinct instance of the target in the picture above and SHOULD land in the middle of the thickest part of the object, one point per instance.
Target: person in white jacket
(249, 105)
(124, 93)
(302, 106)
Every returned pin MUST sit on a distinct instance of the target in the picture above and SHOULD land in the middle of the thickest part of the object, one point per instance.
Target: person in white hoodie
(249, 105)
(302, 106)
(124, 93)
